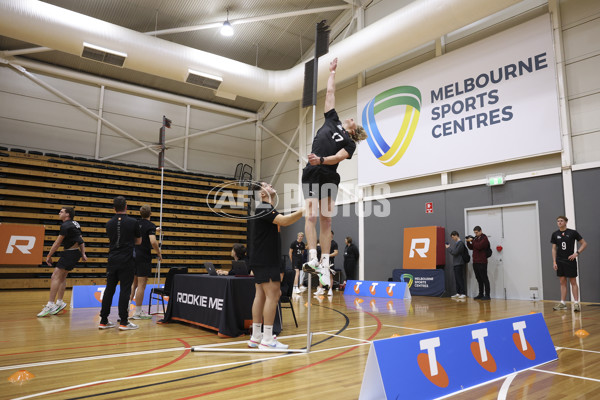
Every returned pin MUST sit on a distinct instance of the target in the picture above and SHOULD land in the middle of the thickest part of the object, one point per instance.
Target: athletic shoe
(59, 307)
(456, 296)
(462, 296)
(272, 345)
(296, 290)
(141, 315)
(254, 342)
(330, 292)
(576, 307)
(302, 289)
(129, 327)
(310, 266)
(319, 291)
(324, 277)
(478, 297)
(560, 306)
(107, 325)
(48, 308)
(342, 286)
(486, 298)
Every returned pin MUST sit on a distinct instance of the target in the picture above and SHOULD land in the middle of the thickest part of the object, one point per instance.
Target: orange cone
(581, 333)
(20, 376)
(481, 320)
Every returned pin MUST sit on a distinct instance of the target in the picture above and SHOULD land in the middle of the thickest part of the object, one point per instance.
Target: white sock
(312, 254)
(59, 301)
(325, 260)
(50, 303)
(268, 333)
(256, 330)
(575, 301)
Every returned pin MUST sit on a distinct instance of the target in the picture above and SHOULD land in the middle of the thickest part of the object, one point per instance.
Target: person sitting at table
(238, 252)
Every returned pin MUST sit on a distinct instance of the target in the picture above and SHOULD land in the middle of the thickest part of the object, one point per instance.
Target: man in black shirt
(334, 142)
(123, 233)
(265, 260)
(296, 253)
(143, 261)
(73, 249)
(564, 257)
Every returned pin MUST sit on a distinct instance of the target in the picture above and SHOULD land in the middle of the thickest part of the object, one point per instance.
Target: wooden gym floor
(69, 358)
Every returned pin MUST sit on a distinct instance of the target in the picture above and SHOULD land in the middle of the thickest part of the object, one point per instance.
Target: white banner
(492, 101)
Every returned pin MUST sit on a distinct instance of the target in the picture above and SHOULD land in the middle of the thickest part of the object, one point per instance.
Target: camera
(469, 237)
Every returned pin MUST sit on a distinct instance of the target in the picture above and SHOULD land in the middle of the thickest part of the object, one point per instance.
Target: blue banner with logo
(438, 363)
(91, 296)
(394, 290)
(422, 282)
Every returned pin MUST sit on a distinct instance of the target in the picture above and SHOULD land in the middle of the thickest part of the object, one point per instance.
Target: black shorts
(143, 268)
(68, 259)
(318, 183)
(297, 263)
(566, 268)
(266, 274)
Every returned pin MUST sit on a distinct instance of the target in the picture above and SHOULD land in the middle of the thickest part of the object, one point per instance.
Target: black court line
(213, 372)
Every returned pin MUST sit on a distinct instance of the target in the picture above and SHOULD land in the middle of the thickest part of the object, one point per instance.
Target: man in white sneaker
(334, 142)
(123, 234)
(457, 249)
(143, 261)
(564, 256)
(73, 249)
(265, 261)
(296, 253)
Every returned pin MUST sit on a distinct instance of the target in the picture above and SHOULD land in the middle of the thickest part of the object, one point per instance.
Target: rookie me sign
(441, 362)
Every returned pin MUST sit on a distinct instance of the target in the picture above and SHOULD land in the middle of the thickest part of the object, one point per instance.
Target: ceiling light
(227, 29)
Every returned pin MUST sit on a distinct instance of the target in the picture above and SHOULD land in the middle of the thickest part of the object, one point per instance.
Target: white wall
(31, 117)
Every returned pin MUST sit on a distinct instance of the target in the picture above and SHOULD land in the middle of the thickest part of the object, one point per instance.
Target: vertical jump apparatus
(309, 97)
(166, 123)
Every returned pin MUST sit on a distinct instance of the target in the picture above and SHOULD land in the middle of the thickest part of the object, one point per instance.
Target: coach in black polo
(123, 233)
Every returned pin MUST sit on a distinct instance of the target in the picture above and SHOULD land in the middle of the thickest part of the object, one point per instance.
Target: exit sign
(495, 180)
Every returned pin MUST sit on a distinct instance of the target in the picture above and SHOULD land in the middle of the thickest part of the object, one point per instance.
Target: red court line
(290, 371)
(102, 345)
(185, 353)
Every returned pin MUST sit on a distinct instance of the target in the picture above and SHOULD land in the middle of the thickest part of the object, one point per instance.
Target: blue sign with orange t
(394, 290)
(91, 296)
(446, 361)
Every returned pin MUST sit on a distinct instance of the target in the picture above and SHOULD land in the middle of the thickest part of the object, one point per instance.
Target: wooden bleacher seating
(34, 187)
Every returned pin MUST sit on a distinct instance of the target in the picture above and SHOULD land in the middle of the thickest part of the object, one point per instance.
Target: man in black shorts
(143, 261)
(565, 256)
(73, 249)
(334, 142)
(265, 261)
(123, 233)
(296, 253)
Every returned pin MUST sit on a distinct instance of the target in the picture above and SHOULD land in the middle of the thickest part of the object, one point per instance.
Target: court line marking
(146, 352)
(568, 375)
(406, 327)
(181, 371)
(586, 351)
(506, 385)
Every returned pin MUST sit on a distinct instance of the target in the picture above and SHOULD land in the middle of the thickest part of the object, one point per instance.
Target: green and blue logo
(408, 97)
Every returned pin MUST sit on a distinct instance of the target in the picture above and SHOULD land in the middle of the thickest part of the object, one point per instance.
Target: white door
(515, 272)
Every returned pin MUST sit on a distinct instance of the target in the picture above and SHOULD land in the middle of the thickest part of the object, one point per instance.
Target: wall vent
(203, 79)
(103, 55)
